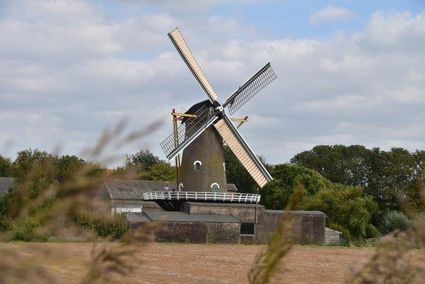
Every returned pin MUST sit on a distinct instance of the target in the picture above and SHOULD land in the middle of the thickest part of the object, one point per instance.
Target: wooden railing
(202, 196)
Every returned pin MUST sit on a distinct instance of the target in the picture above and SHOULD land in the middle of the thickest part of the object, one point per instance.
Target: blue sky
(349, 72)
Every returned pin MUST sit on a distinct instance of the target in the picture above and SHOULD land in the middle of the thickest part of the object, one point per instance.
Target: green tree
(6, 168)
(142, 160)
(159, 171)
(276, 194)
(385, 175)
(347, 210)
(68, 166)
(338, 163)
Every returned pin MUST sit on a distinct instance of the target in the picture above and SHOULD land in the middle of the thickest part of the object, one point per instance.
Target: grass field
(189, 263)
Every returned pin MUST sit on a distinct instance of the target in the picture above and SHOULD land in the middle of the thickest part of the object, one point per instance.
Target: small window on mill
(215, 187)
(197, 165)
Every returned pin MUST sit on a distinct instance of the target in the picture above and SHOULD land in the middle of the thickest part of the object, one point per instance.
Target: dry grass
(188, 263)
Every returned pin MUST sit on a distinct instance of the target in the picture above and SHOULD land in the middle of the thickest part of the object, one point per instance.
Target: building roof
(231, 187)
(177, 216)
(134, 189)
(5, 184)
(137, 218)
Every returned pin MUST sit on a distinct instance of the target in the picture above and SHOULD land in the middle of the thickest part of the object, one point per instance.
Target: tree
(347, 210)
(276, 194)
(6, 168)
(31, 160)
(142, 160)
(338, 163)
(159, 171)
(346, 207)
(68, 166)
(384, 175)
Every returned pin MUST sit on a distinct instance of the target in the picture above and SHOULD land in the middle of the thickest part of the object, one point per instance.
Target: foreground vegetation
(54, 199)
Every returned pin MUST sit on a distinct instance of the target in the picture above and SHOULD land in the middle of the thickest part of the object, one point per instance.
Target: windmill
(206, 125)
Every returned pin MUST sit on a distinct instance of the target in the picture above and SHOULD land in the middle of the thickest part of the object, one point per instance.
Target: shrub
(347, 210)
(26, 232)
(395, 220)
(114, 227)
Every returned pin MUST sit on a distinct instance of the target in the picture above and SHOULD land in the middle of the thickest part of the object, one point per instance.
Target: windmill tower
(200, 137)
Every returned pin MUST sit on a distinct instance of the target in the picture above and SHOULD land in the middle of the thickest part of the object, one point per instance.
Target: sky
(348, 72)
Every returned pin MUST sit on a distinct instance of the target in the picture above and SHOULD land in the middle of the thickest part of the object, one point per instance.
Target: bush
(27, 232)
(114, 227)
(395, 220)
(347, 210)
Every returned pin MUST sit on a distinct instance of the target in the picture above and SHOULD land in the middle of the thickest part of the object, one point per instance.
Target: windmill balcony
(202, 196)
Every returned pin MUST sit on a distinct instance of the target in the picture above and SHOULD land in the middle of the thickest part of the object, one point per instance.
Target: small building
(209, 217)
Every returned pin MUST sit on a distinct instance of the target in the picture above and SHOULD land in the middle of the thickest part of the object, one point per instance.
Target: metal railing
(202, 196)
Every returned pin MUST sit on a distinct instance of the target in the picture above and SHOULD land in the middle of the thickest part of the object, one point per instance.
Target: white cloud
(331, 13)
(67, 72)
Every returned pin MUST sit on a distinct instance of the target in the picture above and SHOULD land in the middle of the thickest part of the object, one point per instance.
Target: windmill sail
(188, 131)
(242, 151)
(248, 90)
(182, 47)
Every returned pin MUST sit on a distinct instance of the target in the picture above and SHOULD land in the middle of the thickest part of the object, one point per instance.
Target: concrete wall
(245, 213)
(307, 227)
(332, 237)
(198, 233)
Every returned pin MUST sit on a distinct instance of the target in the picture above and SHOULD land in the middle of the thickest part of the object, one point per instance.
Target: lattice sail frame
(248, 90)
(188, 131)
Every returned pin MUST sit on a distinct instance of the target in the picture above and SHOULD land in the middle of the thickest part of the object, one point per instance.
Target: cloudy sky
(349, 72)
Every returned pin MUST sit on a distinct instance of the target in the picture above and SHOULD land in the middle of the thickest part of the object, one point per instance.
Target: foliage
(393, 261)
(45, 201)
(159, 171)
(68, 166)
(395, 220)
(142, 160)
(27, 231)
(275, 195)
(415, 194)
(6, 167)
(346, 209)
(339, 164)
(147, 166)
(386, 176)
(114, 227)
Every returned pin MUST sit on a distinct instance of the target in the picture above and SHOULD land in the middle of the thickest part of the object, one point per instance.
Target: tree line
(364, 192)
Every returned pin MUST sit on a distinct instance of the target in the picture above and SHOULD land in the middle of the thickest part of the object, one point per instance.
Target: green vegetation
(43, 178)
(364, 192)
(346, 207)
(358, 188)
